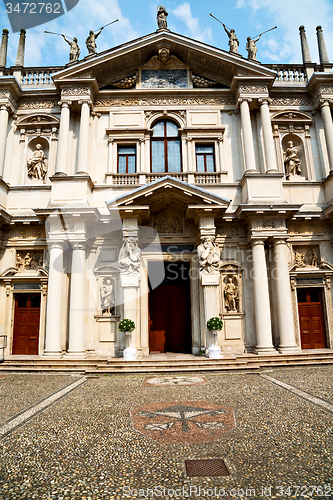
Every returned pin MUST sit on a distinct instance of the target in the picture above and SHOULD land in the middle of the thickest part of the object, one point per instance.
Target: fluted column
(261, 298)
(250, 162)
(82, 164)
(284, 304)
(271, 164)
(328, 130)
(61, 161)
(77, 301)
(54, 301)
(4, 116)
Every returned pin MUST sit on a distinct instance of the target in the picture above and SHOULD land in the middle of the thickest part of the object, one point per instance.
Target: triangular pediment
(168, 192)
(125, 61)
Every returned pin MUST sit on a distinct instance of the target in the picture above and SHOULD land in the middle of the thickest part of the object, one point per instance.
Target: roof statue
(162, 17)
(91, 41)
(252, 48)
(74, 52)
(233, 40)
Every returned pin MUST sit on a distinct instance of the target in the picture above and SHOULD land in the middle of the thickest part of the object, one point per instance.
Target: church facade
(167, 182)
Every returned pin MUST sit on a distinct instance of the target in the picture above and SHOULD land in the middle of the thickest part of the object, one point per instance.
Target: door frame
(325, 286)
(11, 291)
(15, 296)
(322, 310)
(194, 299)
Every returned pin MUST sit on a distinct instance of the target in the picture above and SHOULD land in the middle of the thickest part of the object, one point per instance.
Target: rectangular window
(205, 157)
(126, 159)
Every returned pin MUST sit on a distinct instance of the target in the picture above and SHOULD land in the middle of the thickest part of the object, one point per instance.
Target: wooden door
(311, 318)
(26, 324)
(169, 319)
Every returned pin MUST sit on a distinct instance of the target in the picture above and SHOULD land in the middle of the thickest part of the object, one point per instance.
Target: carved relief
(289, 101)
(126, 83)
(306, 256)
(308, 228)
(29, 261)
(209, 255)
(200, 82)
(231, 293)
(130, 256)
(168, 222)
(26, 233)
(38, 105)
(172, 101)
(253, 89)
(76, 91)
(107, 292)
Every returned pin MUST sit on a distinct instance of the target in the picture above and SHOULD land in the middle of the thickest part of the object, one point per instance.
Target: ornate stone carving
(306, 256)
(29, 261)
(253, 89)
(231, 294)
(162, 17)
(167, 223)
(107, 292)
(290, 101)
(130, 256)
(37, 165)
(199, 81)
(291, 161)
(126, 83)
(172, 101)
(38, 105)
(76, 91)
(208, 254)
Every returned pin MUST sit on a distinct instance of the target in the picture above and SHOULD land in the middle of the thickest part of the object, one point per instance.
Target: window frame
(165, 139)
(211, 144)
(124, 145)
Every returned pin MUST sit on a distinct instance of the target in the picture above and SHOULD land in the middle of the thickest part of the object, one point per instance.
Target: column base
(75, 354)
(288, 349)
(264, 350)
(54, 354)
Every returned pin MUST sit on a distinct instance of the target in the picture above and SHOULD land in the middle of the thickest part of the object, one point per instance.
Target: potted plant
(214, 325)
(127, 326)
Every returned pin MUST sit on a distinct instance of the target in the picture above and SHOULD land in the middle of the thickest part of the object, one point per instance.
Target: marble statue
(300, 258)
(209, 255)
(291, 160)
(74, 50)
(37, 165)
(314, 259)
(231, 295)
(130, 256)
(252, 48)
(162, 17)
(233, 40)
(91, 41)
(107, 296)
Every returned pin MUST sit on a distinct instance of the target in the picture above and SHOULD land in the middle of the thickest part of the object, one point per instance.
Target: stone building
(166, 181)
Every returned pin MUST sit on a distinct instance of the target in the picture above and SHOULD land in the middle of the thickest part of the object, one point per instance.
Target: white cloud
(289, 16)
(184, 13)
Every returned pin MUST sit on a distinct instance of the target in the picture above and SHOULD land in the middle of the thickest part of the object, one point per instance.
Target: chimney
(20, 51)
(323, 57)
(3, 48)
(306, 53)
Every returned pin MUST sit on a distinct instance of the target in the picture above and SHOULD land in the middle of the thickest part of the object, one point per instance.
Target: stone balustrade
(145, 178)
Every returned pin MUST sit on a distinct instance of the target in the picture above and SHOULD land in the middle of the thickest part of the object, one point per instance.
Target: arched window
(165, 147)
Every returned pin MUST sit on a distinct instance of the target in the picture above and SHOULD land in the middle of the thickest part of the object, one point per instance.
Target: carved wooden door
(169, 319)
(26, 324)
(311, 318)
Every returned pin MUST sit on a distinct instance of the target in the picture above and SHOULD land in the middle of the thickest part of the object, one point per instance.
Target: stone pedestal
(210, 284)
(107, 331)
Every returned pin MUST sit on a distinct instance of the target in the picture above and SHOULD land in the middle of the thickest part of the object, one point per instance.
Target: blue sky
(189, 18)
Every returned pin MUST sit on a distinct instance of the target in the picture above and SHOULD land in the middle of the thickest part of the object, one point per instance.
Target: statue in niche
(74, 50)
(299, 258)
(291, 160)
(209, 255)
(162, 17)
(231, 295)
(130, 256)
(37, 165)
(91, 41)
(107, 296)
(233, 40)
(314, 258)
(252, 48)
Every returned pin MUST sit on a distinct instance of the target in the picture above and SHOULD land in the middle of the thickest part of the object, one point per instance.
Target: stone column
(3, 49)
(77, 301)
(250, 162)
(323, 56)
(261, 298)
(54, 301)
(61, 161)
(328, 130)
(4, 116)
(82, 164)
(284, 302)
(271, 164)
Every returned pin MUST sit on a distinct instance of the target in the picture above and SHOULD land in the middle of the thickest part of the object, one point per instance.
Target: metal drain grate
(207, 468)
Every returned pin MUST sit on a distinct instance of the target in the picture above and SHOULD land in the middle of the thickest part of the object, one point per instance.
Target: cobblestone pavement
(85, 446)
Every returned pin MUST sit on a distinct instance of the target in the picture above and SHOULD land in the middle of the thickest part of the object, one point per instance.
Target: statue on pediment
(162, 17)
(91, 41)
(252, 48)
(37, 165)
(74, 50)
(233, 40)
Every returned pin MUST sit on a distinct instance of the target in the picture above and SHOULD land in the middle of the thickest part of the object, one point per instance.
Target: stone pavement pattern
(84, 446)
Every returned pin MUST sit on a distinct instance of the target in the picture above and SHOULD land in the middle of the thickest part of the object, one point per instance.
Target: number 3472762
(33, 8)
